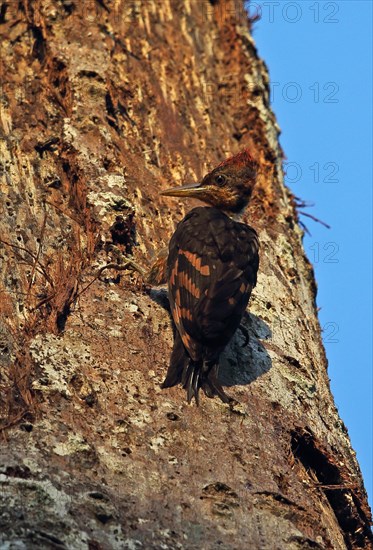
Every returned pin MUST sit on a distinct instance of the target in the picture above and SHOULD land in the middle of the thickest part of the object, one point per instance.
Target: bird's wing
(222, 305)
(212, 269)
(157, 274)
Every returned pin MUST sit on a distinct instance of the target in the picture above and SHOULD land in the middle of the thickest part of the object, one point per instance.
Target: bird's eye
(220, 179)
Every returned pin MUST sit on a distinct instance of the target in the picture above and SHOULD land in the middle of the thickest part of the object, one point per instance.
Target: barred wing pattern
(212, 269)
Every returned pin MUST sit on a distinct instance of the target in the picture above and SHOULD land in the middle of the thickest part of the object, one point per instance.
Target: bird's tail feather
(200, 375)
(193, 375)
(183, 370)
(191, 380)
(178, 363)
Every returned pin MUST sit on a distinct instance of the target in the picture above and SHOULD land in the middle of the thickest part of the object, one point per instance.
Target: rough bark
(104, 103)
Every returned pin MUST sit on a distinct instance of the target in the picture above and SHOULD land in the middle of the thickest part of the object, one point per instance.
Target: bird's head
(228, 186)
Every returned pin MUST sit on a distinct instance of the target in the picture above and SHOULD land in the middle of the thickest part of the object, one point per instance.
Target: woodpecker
(212, 267)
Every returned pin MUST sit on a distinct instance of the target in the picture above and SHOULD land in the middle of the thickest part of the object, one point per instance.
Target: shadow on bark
(241, 364)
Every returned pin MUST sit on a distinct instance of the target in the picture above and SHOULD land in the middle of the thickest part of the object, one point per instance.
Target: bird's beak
(194, 190)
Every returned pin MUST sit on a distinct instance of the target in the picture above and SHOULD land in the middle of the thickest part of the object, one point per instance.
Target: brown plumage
(211, 270)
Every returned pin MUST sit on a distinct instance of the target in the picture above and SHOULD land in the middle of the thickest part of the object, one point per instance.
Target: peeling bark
(104, 103)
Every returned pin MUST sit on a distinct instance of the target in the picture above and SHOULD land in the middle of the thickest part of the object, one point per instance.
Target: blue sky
(320, 64)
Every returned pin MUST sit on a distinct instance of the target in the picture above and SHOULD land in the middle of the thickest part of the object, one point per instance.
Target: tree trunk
(105, 103)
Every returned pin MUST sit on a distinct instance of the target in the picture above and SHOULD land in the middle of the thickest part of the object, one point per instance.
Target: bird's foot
(211, 386)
